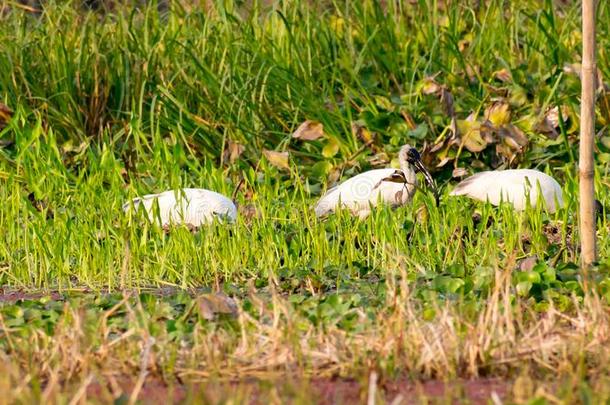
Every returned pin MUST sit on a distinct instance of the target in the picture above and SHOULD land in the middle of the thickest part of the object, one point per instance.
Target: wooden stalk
(587, 133)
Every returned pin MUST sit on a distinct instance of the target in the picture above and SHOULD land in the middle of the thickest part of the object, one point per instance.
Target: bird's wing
(146, 200)
(327, 202)
(358, 190)
(204, 205)
(551, 190)
(472, 185)
(511, 185)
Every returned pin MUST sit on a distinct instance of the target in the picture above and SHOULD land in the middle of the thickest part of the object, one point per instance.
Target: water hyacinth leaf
(419, 132)
(397, 132)
(523, 288)
(277, 159)
(605, 141)
(447, 284)
(331, 148)
(384, 103)
(321, 168)
(518, 96)
(604, 157)
(309, 131)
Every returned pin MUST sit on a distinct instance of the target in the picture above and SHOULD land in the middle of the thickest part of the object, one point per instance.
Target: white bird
(189, 206)
(364, 191)
(512, 186)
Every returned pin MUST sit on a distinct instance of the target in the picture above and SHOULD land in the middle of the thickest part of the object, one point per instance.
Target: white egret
(513, 186)
(361, 193)
(189, 206)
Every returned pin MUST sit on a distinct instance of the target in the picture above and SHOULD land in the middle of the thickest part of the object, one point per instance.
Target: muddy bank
(318, 390)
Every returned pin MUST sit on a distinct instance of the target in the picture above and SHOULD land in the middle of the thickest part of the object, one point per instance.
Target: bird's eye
(413, 154)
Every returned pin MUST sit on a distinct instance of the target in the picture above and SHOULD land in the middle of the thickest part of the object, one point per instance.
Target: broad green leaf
(331, 148)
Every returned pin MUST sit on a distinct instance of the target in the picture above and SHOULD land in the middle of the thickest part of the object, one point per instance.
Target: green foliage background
(109, 105)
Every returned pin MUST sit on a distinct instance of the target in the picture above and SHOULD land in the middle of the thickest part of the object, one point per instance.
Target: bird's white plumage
(366, 190)
(512, 186)
(190, 206)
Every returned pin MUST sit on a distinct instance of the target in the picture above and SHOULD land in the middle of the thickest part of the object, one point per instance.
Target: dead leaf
(40, 205)
(209, 305)
(552, 115)
(422, 214)
(408, 119)
(463, 44)
(604, 108)
(576, 69)
(470, 132)
(459, 172)
(444, 161)
(513, 136)
(528, 263)
(362, 133)
(70, 148)
(472, 72)
(473, 141)
(277, 159)
(334, 176)
(309, 131)
(572, 69)
(512, 142)
(430, 86)
(380, 159)
(549, 124)
(498, 114)
(5, 115)
(233, 151)
(503, 75)
(438, 146)
(249, 211)
(447, 101)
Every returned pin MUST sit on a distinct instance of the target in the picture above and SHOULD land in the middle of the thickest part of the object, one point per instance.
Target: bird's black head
(413, 156)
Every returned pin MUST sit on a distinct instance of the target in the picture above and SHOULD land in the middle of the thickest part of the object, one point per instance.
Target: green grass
(108, 106)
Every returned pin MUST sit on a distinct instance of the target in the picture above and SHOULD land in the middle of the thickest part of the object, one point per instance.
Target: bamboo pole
(587, 133)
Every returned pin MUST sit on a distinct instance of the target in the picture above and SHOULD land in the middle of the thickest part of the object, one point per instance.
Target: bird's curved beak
(419, 167)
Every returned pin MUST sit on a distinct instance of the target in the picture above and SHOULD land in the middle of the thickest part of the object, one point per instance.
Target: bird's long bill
(419, 166)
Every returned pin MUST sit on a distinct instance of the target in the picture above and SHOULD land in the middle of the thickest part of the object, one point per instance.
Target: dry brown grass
(507, 339)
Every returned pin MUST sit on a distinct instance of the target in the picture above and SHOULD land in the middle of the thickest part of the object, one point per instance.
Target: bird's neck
(410, 175)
